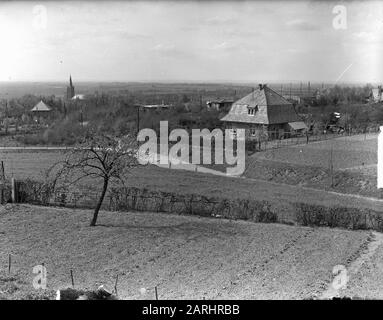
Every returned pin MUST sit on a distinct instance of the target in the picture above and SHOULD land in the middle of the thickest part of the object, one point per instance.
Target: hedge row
(129, 198)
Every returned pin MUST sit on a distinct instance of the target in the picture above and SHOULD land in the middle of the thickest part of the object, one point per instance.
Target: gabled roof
(41, 106)
(269, 108)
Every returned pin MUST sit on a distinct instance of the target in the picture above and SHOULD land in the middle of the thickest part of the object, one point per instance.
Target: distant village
(264, 113)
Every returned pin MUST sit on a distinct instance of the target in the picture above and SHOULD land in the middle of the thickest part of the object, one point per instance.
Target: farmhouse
(264, 114)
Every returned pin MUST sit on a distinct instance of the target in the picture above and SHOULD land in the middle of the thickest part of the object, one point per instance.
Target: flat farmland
(186, 257)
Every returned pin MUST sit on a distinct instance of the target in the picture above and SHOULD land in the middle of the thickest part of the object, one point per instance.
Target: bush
(338, 217)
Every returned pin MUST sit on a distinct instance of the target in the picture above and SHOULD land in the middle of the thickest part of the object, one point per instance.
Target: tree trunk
(102, 196)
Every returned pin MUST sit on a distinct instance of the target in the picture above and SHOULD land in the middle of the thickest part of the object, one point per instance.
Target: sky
(241, 41)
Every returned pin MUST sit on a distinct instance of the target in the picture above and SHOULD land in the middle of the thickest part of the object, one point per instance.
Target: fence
(292, 138)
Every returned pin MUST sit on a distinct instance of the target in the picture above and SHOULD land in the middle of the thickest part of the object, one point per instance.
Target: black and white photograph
(201, 151)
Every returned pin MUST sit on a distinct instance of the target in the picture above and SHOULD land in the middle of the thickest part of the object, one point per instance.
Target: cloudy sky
(190, 41)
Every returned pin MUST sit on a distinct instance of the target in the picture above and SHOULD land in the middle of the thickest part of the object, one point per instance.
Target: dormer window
(251, 110)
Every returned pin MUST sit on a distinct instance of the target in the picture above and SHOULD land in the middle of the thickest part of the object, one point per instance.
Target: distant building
(40, 111)
(219, 104)
(70, 90)
(377, 94)
(264, 114)
(40, 108)
(156, 107)
(78, 97)
(292, 99)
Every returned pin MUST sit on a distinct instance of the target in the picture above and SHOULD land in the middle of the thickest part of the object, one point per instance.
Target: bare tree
(100, 157)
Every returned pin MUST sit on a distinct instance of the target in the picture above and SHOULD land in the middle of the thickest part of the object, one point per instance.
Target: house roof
(78, 96)
(298, 125)
(154, 106)
(221, 100)
(41, 106)
(270, 108)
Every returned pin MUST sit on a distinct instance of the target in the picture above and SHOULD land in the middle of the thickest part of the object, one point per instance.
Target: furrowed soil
(186, 257)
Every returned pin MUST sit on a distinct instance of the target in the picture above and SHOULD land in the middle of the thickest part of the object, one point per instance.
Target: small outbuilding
(40, 111)
(41, 107)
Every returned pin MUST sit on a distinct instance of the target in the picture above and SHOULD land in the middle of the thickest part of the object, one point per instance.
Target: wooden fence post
(13, 185)
(71, 277)
(2, 183)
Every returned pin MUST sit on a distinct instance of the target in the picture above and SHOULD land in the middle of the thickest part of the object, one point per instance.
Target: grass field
(347, 152)
(354, 160)
(186, 257)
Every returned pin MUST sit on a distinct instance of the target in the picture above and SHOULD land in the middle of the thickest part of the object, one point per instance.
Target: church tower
(70, 89)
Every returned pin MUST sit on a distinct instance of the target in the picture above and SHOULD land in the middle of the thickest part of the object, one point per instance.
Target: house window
(251, 110)
(253, 132)
(233, 133)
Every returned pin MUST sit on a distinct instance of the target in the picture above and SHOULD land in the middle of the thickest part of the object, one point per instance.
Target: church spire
(70, 89)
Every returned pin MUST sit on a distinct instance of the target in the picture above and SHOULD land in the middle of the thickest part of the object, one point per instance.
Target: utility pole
(81, 117)
(138, 119)
(6, 116)
(331, 165)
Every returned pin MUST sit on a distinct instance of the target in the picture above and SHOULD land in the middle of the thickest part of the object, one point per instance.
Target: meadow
(345, 152)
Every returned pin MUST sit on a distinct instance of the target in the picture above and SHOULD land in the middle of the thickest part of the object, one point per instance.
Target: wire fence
(268, 141)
